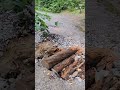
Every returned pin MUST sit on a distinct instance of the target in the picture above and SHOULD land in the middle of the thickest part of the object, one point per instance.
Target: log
(59, 67)
(67, 61)
(74, 74)
(80, 51)
(71, 69)
(65, 74)
(79, 65)
(57, 58)
(79, 71)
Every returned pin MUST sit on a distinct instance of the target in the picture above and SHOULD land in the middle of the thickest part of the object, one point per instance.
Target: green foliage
(59, 5)
(40, 24)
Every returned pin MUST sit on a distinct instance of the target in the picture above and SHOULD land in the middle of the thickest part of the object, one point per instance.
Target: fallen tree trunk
(58, 57)
(59, 67)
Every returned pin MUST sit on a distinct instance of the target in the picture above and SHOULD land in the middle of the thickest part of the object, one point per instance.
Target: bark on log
(57, 58)
(65, 74)
(67, 61)
(71, 69)
(59, 67)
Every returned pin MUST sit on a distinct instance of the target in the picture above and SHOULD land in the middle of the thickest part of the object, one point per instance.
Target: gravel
(70, 30)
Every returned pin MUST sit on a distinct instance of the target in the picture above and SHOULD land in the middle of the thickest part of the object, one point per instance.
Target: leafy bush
(40, 24)
(40, 18)
(59, 5)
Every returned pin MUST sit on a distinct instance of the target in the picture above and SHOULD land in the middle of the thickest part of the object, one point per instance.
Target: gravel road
(70, 30)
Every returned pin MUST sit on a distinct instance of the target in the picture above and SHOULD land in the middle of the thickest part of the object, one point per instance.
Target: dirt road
(70, 29)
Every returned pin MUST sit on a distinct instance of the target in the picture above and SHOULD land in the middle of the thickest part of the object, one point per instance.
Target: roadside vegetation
(54, 6)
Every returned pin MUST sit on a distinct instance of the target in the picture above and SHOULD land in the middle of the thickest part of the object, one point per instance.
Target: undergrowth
(40, 24)
(57, 6)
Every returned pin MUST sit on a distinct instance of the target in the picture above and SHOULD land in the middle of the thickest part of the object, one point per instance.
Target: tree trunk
(58, 57)
(59, 67)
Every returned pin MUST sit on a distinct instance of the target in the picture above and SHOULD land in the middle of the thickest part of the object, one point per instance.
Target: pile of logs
(67, 63)
(98, 63)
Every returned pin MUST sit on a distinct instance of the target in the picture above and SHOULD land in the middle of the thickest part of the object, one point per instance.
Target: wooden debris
(81, 71)
(74, 74)
(57, 58)
(59, 67)
(69, 70)
(45, 49)
(65, 62)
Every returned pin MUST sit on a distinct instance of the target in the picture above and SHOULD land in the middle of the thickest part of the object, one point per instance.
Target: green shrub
(40, 24)
(59, 5)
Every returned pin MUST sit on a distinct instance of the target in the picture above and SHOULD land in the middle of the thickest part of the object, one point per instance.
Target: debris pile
(67, 63)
